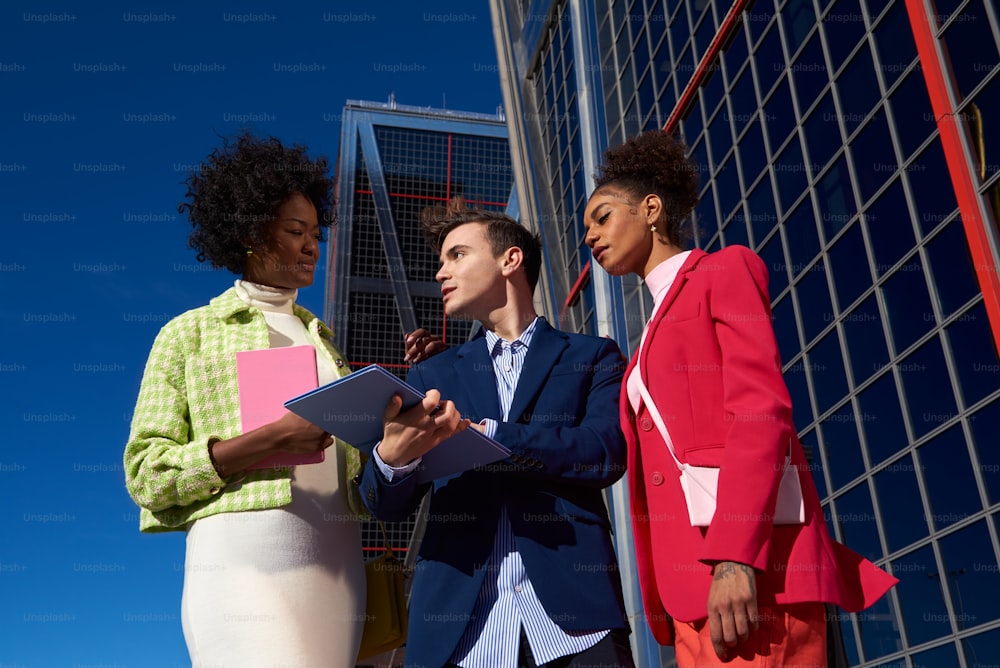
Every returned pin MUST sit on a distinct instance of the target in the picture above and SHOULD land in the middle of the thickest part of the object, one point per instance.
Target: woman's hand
(422, 345)
(296, 434)
(732, 606)
(289, 433)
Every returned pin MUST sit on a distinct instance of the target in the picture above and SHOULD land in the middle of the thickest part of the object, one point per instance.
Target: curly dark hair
(502, 232)
(235, 195)
(655, 163)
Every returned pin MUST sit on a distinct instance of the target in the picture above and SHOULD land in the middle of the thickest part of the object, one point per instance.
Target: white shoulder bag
(700, 483)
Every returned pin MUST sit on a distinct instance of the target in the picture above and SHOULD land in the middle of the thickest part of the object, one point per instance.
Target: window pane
(981, 114)
(939, 657)
(930, 185)
(894, 40)
(907, 303)
(973, 575)
(785, 330)
(882, 419)
(799, 18)
(928, 391)
(983, 424)
(763, 215)
(814, 301)
(795, 379)
(814, 462)
(887, 222)
(911, 111)
(951, 264)
(720, 137)
(976, 362)
(759, 18)
(780, 115)
(879, 629)
(874, 160)
(856, 520)
(809, 70)
(903, 518)
(803, 239)
(951, 487)
(865, 340)
(836, 198)
(839, 435)
(753, 157)
(727, 185)
(844, 28)
(858, 89)
(736, 52)
(735, 231)
(707, 221)
(822, 133)
(921, 597)
(769, 60)
(743, 100)
(849, 264)
(826, 364)
(971, 47)
(791, 174)
(777, 269)
(981, 648)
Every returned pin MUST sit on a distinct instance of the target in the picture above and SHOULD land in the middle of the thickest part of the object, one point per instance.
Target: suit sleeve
(757, 406)
(591, 452)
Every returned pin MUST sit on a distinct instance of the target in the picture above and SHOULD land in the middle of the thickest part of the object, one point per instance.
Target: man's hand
(421, 345)
(417, 431)
(732, 606)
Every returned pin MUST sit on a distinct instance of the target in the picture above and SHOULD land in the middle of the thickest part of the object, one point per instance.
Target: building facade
(848, 142)
(394, 162)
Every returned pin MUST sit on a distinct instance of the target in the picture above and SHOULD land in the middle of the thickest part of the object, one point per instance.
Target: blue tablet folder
(351, 409)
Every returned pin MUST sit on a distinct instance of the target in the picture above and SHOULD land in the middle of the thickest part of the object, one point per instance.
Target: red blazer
(711, 364)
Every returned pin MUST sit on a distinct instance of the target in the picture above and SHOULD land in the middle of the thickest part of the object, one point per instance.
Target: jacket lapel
(546, 347)
(682, 276)
(475, 376)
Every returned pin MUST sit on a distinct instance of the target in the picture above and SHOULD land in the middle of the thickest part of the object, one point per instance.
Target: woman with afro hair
(745, 589)
(273, 571)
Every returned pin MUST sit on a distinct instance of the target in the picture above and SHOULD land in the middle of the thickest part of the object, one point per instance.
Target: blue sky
(106, 109)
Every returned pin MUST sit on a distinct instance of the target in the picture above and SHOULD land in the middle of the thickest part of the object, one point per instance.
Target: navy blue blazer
(566, 446)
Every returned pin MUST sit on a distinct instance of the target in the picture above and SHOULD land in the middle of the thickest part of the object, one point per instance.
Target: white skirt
(282, 587)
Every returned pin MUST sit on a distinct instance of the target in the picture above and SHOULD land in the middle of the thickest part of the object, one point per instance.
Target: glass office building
(394, 162)
(850, 144)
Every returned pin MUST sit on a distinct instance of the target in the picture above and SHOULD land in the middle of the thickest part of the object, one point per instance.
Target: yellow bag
(386, 614)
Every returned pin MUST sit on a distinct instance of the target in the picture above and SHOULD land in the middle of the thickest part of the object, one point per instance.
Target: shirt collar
(495, 343)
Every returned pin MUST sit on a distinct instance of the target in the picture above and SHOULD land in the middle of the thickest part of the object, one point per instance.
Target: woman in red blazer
(743, 588)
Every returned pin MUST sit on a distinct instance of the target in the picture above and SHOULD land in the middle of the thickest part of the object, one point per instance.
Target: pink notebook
(267, 379)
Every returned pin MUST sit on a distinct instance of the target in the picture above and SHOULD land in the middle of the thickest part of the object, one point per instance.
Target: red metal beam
(950, 128)
(704, 68)
(360, 191)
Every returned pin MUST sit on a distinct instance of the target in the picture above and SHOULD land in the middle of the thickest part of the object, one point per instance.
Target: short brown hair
(502, 232)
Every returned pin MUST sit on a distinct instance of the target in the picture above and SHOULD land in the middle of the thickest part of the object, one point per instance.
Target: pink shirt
(658, 281)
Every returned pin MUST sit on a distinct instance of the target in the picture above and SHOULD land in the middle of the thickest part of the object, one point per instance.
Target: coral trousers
(787, 636)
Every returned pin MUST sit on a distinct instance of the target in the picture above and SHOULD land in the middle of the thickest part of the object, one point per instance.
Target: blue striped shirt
(508, 601)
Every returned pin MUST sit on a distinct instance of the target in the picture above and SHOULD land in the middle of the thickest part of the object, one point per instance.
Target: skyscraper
(395, 161)
(848, 143)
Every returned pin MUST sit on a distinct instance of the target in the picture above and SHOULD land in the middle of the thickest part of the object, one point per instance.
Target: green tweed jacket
(188, 397)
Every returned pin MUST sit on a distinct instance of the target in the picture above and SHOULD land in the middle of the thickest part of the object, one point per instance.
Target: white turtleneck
(280, 586)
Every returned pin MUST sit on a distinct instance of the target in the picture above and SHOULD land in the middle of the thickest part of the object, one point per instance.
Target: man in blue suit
(516, 567)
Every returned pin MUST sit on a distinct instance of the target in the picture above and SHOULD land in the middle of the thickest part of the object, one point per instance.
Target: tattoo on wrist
(725, 569)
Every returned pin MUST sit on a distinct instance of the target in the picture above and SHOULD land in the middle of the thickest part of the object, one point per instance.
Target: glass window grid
(635, 297)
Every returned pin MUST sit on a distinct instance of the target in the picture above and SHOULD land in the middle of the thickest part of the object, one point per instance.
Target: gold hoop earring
(249, 251)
